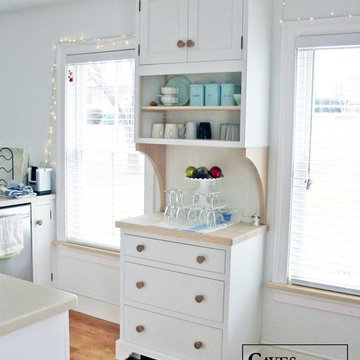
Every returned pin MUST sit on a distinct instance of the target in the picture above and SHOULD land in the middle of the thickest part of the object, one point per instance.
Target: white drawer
(172, 336)
(191, 256)
(187, 294)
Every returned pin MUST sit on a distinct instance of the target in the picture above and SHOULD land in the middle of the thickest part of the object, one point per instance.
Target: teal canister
(227, 92)
(212, 95)
(197, 95)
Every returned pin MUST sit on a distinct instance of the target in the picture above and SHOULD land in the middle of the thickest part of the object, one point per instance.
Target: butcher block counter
(230, 235)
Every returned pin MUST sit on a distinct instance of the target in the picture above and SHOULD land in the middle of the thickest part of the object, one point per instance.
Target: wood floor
(92, 338)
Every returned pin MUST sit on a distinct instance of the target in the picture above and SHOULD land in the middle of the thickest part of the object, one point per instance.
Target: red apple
(215, 172)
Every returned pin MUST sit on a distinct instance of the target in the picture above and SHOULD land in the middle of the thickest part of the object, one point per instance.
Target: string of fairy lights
(98, 43)
(311, 18)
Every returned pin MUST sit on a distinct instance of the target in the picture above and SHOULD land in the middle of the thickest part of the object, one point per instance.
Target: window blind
(104, 175)
(325, 219)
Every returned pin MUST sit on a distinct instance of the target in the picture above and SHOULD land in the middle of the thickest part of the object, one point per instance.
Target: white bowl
(168, 99)
(169, 90)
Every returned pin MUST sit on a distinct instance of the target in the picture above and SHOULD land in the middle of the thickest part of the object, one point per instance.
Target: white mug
(236, 132)
(171, 131)
(229, 133)
(232, 132)
(157, 131)
(181, 130)
(191, 130)
(169, 99)
(223, 128)
(169, 90)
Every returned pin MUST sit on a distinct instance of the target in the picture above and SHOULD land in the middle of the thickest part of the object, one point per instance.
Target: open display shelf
(190, 108)
(192, 142)
(150, 87)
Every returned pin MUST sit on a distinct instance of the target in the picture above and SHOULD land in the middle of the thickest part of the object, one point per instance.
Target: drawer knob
(198, 345)
(140, 284)
(199, 298)
(140, 248)
(200, 259)
(39, 222)
(139, 328)
(180, 44)
(190, 43)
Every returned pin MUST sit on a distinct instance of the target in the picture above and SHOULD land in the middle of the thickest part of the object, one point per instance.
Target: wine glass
(169, 213)
(192, 215)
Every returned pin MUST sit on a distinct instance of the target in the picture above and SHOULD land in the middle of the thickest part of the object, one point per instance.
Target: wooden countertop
(11, 202)
(24, 303)
(230, 235)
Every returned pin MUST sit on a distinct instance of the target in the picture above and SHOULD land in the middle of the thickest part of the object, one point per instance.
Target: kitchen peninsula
(34, 321)
(186, 295)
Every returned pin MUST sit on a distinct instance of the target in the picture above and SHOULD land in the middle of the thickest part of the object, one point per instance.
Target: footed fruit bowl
(205, 185)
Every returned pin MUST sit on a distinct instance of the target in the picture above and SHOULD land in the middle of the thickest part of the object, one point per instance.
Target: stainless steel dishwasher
(20, 266)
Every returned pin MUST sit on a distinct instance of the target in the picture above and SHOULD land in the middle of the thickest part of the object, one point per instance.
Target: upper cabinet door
(163, 24)
(215, 27)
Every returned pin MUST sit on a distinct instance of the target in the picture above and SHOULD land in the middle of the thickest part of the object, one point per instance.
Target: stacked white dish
(168, 97)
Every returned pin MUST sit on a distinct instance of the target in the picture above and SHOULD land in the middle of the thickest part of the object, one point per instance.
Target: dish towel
(15, 190)
(11, 236)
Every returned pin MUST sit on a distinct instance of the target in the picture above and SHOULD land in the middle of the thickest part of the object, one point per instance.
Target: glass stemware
(193, 208)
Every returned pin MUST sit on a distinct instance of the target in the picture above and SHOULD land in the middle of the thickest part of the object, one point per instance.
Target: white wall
(284, 322)
(27, 37)
(27, 57)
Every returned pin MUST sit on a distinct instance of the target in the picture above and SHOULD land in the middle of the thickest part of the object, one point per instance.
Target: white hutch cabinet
(178, 31)
(184, 295)
(218, 28)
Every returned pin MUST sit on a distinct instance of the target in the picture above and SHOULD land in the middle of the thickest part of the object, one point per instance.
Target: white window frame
(125, 48)
(325, 32)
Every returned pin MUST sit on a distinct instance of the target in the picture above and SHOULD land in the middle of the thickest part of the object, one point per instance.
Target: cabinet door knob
(190, 43)
(200, 259)
(180, 44)
(140, 284)
(198, 345)
(139, 328)
(39, 222)
(199, 298)
(140, 248)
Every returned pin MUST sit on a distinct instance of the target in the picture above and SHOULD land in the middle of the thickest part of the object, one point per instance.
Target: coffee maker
(40, 179)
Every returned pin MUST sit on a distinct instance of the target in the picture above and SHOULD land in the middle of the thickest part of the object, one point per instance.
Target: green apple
(190, 171)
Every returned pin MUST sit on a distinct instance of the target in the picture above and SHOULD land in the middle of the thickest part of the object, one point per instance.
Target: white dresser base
(160, 278)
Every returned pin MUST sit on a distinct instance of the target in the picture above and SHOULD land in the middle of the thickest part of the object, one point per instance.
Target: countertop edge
(24, 303)
(20, 322)
(12, 202)
(232, 237)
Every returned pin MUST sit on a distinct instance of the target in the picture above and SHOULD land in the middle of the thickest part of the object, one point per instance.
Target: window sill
(90, 249)
(316, 299)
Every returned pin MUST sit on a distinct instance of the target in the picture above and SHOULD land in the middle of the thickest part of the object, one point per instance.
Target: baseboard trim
(99, 309)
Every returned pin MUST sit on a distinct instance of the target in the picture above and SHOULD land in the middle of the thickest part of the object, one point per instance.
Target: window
(102, 173)
(324, 229)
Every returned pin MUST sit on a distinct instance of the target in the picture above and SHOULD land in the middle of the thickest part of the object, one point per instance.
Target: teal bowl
(237, 98)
